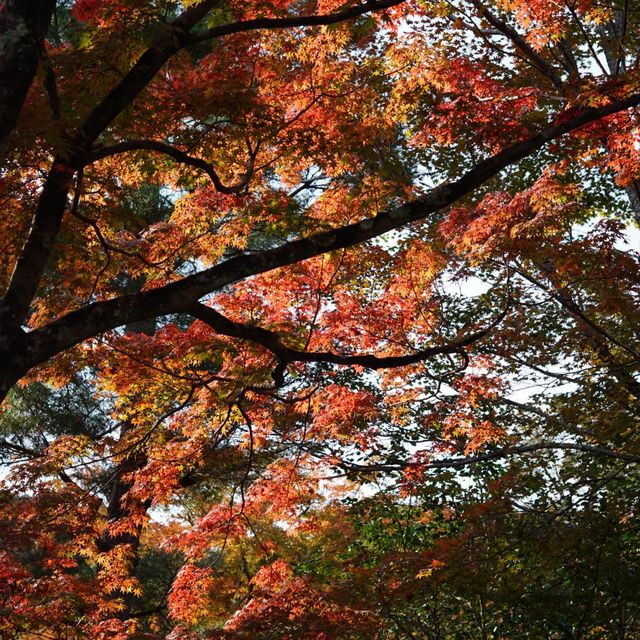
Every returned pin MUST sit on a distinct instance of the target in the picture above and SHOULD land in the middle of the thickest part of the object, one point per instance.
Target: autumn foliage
(319, 320)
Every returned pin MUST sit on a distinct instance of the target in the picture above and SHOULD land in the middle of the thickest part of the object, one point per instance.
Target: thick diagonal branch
(179, 296)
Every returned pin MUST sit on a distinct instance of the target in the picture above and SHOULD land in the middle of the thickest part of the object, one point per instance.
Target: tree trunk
(23, 27)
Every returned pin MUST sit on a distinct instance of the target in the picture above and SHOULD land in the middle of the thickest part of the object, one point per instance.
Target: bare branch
(293, 21)
(180, 156)
(519, 43)
(286, 355)
(498, 454)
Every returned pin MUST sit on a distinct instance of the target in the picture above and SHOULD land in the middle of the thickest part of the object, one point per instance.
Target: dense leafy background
(428, 434)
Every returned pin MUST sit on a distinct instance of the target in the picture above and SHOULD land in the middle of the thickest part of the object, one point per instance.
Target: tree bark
(118, 509)
(23, 27)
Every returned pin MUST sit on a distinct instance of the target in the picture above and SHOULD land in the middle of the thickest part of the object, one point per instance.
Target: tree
(228, 276)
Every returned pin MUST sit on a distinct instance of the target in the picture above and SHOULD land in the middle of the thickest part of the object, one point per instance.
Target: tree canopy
(319, 319)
